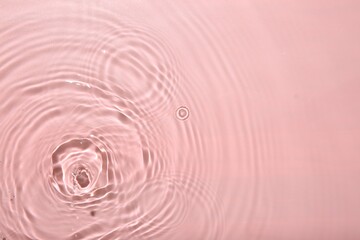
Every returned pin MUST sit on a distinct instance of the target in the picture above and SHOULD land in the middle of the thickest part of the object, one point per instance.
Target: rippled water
(179, 120)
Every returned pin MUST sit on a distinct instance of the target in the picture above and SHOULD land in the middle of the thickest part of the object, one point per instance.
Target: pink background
(270, 149)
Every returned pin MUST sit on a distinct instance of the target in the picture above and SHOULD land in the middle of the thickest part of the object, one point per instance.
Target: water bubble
(12, 197)
(182, 113)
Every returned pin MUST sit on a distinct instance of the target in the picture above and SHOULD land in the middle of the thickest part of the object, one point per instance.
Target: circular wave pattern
(182, 113)
(83, 152)
(77, 165)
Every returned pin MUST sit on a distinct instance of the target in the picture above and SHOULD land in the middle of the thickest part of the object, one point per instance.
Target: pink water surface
(184, 120)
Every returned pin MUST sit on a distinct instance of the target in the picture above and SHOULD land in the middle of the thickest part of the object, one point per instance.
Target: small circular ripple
(182, 113)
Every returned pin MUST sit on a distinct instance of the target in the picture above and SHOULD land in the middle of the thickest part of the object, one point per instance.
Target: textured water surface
(199, 120)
